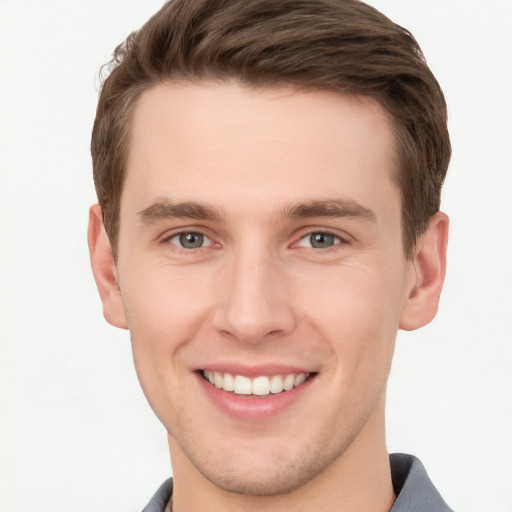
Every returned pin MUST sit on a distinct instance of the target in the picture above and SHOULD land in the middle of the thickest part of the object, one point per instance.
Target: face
(262, 276)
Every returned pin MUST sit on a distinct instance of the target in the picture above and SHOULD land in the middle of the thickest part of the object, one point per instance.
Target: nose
(255, 304)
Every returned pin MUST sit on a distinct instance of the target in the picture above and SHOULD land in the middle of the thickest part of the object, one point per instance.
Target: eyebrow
(329, 208)
(164, 209)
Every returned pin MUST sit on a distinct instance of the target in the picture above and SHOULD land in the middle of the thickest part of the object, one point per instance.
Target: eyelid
(337, 239)
(342, 238)
(174, 234)
(206, 239)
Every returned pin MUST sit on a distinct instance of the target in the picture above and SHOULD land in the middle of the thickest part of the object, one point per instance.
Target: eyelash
(338, 240)
(185, 233)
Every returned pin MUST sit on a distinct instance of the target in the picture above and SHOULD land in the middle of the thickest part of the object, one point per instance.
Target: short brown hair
(344, 46)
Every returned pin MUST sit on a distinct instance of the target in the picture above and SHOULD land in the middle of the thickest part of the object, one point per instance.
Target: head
(268, 176)
(346, 47)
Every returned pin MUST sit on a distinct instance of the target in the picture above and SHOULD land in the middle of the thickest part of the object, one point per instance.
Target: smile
(259, 386)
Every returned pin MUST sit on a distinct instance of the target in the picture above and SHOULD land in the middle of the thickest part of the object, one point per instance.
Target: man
(268, 177)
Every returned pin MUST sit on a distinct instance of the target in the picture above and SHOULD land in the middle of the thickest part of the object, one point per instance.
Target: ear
(426, 275)
(104, 269)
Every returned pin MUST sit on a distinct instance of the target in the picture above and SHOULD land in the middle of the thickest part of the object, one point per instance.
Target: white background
(76, 432)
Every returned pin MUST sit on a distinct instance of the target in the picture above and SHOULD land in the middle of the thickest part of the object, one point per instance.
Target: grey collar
(415, 492)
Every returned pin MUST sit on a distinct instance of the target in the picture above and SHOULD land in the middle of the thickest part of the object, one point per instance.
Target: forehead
(233, 146)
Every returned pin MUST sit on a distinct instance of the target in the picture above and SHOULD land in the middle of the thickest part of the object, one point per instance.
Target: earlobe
(427, 271)
(104, 269)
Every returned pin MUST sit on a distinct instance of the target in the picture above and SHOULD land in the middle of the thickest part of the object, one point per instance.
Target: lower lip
(250, 407)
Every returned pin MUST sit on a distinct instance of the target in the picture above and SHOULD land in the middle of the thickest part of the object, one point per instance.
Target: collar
(413, 488)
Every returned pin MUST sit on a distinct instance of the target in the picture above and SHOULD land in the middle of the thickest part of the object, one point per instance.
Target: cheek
(165, 309)
(163, 300)
(357, 310)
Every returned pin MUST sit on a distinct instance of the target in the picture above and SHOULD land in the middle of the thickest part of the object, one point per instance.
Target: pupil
(191, 240)
(322, 240)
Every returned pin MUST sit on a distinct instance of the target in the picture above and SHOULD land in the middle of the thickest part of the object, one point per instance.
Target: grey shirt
(415, 492)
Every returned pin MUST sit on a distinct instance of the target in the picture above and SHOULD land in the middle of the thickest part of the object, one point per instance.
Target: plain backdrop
(76, 432)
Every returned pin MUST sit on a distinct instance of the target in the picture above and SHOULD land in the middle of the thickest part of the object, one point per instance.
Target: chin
(263, 482)
(271, 474)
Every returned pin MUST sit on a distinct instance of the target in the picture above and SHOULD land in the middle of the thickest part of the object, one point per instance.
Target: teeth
(288, 382)
(242, 385)
(276, 384)
(260, 386)
(299, 379)
(228, 382)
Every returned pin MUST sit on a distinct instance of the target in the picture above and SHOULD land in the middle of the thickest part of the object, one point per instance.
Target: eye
(190, 240)
(320, 240)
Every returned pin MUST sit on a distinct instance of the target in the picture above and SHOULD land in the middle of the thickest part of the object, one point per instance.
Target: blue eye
(319, 240)
(190, 240)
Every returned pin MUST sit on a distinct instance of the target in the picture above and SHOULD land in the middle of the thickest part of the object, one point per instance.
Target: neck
(360, 479)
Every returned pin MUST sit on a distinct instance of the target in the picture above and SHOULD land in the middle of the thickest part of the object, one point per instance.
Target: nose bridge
(254, 301)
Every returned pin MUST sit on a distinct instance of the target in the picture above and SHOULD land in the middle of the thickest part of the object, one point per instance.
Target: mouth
(260, 386)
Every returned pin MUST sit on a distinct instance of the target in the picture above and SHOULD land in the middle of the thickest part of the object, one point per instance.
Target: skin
(257, 293)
